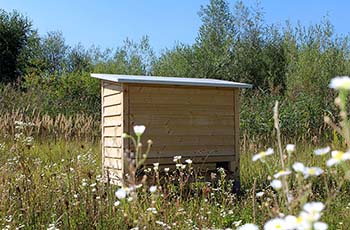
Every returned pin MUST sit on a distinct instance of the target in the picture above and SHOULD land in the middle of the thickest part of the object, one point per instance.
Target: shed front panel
(195, 122)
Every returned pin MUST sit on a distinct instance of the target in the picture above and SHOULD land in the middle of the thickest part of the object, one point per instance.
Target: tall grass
(60, 184)
(57, 184)
(76, 127)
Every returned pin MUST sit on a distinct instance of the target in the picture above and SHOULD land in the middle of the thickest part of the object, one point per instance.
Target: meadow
(56, 183)
(50, 112)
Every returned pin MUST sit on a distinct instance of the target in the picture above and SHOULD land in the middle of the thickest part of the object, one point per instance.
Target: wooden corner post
(234, 166)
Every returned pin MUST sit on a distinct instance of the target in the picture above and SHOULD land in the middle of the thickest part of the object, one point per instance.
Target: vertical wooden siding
(112, 129)
(195, 122)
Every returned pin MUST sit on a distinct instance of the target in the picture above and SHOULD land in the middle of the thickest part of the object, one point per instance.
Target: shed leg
(234, 175)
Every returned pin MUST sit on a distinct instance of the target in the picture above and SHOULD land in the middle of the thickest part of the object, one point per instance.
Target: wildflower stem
(278, 133)
(284, 180)
(254, 201)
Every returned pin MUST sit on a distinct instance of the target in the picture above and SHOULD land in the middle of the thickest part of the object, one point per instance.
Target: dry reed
(77, 127)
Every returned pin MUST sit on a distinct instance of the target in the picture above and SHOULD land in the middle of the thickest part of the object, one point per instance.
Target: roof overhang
(137, 79)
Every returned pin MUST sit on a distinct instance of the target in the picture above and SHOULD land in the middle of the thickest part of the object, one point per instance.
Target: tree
(214, 44)
(54, 53)
(79, 60)
(15, 33)
(176, 62)
(131, 58)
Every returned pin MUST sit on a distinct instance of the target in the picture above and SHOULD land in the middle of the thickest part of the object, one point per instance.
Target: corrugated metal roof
(170, 80)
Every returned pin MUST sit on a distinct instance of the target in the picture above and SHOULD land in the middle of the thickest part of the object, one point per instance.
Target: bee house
(195, 118)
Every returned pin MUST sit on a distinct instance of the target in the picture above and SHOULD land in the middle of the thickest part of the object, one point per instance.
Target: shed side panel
(187, 121)
(112, 119)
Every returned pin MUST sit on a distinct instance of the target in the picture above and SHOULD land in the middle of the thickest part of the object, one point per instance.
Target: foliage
(290, 63)
(46, 185)
(132, 58)
(175, 62)
(16, 33)
(214, 44)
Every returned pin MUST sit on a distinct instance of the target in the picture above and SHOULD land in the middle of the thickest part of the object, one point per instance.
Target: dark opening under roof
(169, 80)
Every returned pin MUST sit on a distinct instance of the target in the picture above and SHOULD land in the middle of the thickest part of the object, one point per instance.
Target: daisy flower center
(312, 171)
(299, 220)
(339, 155)
(278, 226)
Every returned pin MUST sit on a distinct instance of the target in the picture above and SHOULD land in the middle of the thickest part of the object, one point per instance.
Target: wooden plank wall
(112, 129)
(195, 122)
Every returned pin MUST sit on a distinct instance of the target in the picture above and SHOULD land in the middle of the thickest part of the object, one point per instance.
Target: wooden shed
(195, 118)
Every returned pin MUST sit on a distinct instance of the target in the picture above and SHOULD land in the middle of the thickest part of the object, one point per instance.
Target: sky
(107, 23)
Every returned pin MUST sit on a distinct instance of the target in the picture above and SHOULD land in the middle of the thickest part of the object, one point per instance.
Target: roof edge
(140, 79)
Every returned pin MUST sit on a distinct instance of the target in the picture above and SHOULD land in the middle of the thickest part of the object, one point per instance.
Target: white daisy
(337, 157)
(177, 158)
(248, 227)
(276, 224)
(259, 194)
(341, 82)
(153, 189)
(298, 222)
(262, 155)
(276, 184)
(312, 171)
(120, 193)
(320, 226)
(155, 166)
(139, 129)
(298, 167)
(314, 207)
(312, 211)
(322, 151)
(290, 148)
(282, 173)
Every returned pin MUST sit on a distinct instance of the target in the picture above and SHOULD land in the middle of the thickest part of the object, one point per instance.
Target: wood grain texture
(185, 90)
(112, 110)
(187, 150)
(114, 152)
(184, 120)
(112, 131)
(113, 99)
(102, 123)
(183, 109)
(195, 159)
(234, 165)
(111, 96)
(209, 148)
(110, 121)
(111, 88)
(191, 140)
(191, 121)
(200, 123)
(180, 99)
(113, 142)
